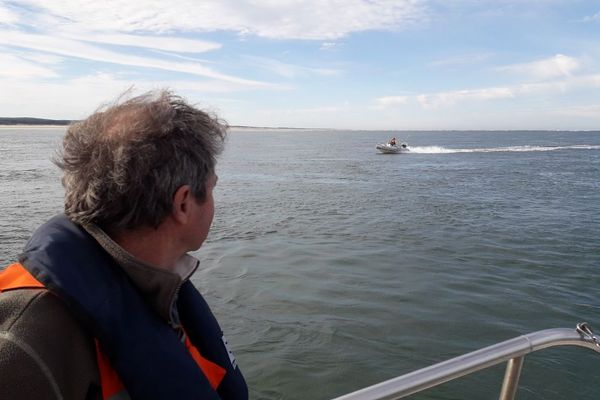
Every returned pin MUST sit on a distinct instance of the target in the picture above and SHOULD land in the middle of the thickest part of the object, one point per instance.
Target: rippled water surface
(332, 267)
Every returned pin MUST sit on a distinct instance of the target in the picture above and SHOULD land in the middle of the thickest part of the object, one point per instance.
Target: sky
(339, 64)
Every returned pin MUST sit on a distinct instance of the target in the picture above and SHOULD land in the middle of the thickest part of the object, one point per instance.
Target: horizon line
(51, 122)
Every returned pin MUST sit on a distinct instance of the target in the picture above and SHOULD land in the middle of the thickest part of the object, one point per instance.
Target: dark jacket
(44, 352)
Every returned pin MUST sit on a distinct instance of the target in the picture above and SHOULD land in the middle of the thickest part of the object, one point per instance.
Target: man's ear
(181, 203)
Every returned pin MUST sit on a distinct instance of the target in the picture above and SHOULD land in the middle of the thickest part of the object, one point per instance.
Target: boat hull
(387, 148)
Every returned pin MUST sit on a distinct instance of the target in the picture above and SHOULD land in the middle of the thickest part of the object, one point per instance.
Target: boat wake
(444, 150)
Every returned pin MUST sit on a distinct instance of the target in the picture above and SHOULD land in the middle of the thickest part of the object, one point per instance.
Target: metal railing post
(511, 378)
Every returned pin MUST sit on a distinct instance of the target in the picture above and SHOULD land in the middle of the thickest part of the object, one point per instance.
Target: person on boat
(100, 304)
(392, 141)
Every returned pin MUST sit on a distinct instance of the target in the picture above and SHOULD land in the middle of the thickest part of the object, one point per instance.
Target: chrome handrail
(512, 350)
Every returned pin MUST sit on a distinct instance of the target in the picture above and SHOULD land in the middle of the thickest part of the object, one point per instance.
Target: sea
(332, 267)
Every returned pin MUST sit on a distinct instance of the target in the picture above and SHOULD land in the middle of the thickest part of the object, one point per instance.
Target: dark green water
(332, 267)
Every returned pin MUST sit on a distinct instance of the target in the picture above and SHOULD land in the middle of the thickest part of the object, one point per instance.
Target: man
(100, 304)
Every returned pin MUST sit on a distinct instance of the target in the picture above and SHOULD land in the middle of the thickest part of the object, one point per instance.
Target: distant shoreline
(22, 127)
(233, 127)
(28, 122)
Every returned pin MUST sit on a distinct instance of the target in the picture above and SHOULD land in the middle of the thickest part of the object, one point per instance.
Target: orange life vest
(15, 276)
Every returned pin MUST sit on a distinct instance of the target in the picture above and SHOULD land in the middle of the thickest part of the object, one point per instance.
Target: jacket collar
(159, 287)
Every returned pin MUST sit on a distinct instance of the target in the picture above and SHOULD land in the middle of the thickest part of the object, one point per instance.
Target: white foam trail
(432, 150)
(444, 150)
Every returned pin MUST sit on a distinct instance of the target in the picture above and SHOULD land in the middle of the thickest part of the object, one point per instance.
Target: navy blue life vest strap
(146, 353)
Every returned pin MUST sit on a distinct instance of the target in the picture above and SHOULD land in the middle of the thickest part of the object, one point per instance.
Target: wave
(444, 150)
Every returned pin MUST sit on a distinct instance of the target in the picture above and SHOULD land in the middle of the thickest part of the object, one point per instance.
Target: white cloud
(559, 86)
(71, 99)
(180, 45)
(73, 48)
(557, 66)
(17, 67)
(453, 97)
(388, 101)
(288, 70)
(7, 16)
(450, 98)
(285, 19)
(213, 86)
(42, 58)
(330, 45)
(77, 97)
(462, 60)
(103, 31)
(592, 18)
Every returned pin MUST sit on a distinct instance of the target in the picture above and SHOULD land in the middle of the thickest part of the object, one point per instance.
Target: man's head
(124, 164)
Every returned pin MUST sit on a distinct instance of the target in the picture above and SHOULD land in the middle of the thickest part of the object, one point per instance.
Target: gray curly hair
(123, 164)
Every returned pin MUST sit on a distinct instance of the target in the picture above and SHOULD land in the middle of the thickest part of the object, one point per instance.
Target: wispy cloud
(592, 18)
(388, 101)
(18, 67)
(557, 66)
(179, 45)
(316, 19)
(105, 32)
(558, 86)
(328, 46)
(77, 49)
(451, 98)
(80, 96)
(459, 61)
(288, 70)
(42, 58)
(7, 16)
(68, 98)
